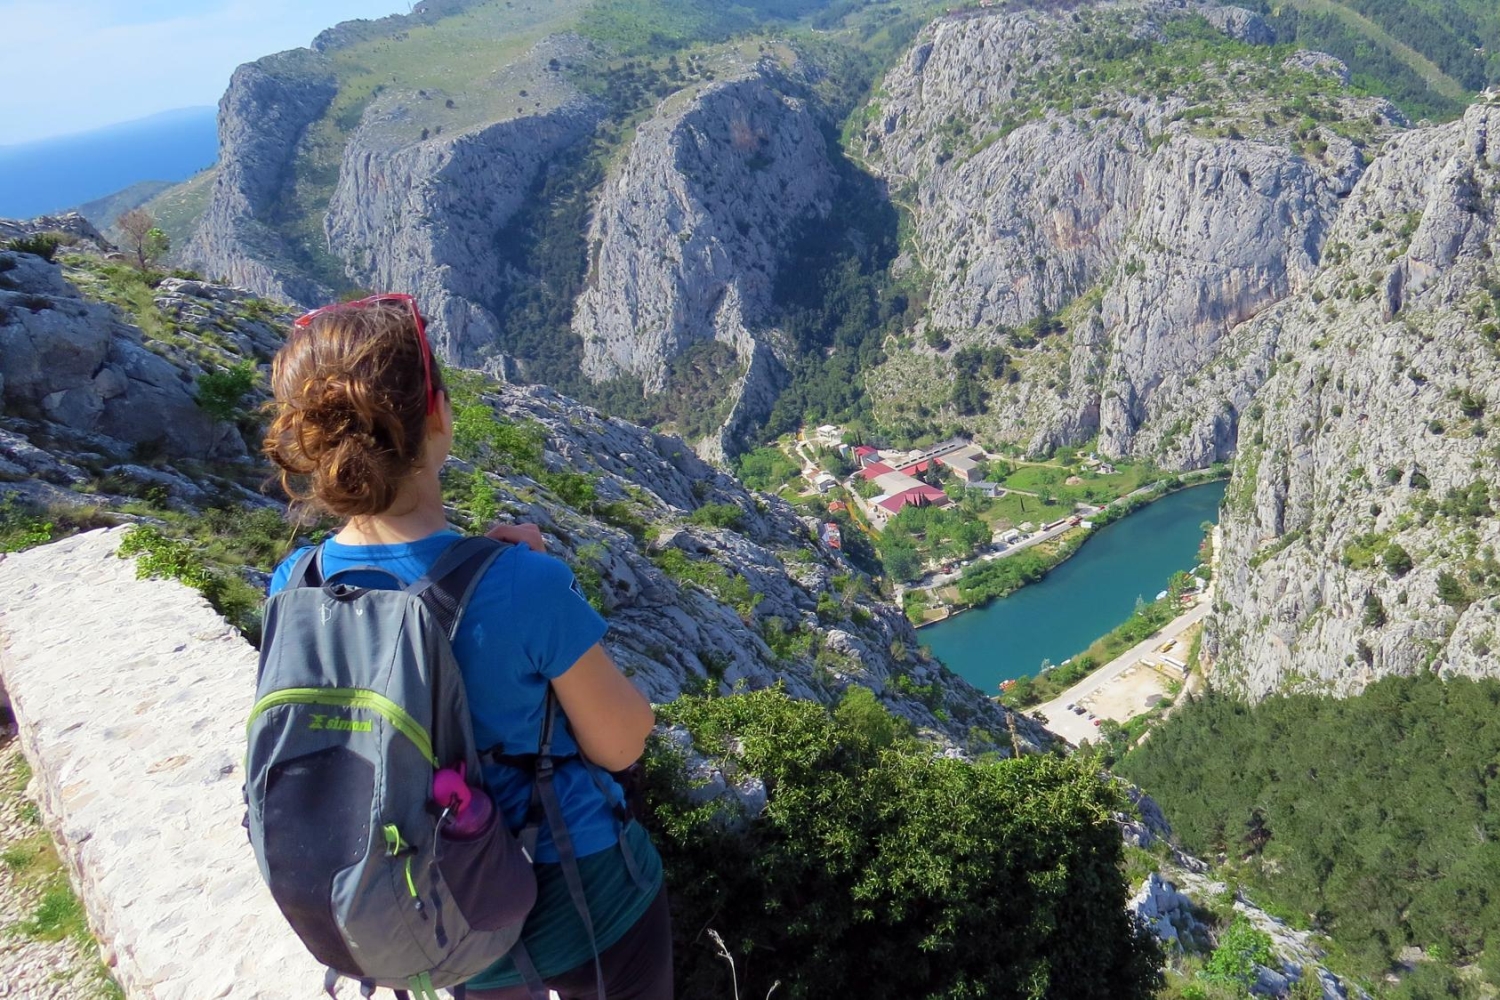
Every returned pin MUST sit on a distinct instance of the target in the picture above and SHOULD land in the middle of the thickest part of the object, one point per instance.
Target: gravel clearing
(32, 968)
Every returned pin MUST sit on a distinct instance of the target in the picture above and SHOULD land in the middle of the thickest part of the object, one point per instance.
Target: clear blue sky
(74, 65)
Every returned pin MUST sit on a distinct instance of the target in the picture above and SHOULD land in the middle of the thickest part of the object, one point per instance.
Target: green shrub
(573, 488)
(221, 393)
(43, 245)
(718, 515)
(881, 869)
(479, 500)
(1241, 948)
(163, 557)
(1451, 592)
(22, 527)
(1397, 560)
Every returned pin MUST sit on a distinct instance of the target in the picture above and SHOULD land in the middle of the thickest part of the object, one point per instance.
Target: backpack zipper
(351, 698)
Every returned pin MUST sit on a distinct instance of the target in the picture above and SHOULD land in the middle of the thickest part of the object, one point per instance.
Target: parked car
(1098, 721)
(1078, 710)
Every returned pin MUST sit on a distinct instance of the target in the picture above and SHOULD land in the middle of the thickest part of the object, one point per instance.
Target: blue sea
(50, 175)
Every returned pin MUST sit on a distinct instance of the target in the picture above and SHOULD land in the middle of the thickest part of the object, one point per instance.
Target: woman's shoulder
(529, 577)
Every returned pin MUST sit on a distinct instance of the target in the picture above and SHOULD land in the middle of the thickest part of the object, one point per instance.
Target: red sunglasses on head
(386, 300)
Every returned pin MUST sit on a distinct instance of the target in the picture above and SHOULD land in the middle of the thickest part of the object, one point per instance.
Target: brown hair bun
(350, 410)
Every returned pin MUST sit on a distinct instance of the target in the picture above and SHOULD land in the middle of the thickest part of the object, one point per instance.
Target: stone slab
(131, 698)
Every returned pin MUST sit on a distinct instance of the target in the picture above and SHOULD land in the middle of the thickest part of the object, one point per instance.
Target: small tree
(1397, 560)
(143, 238)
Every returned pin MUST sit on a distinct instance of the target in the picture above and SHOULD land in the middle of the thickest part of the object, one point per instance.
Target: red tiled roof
(916, 495)
(864, 450)
(912, 470)
(876, 469)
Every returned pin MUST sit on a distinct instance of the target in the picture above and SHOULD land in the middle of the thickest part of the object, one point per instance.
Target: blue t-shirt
(525, 625)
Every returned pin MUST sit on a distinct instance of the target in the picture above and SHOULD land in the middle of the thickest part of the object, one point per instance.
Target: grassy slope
(178, 208)
(1424, 67)
(455, 57)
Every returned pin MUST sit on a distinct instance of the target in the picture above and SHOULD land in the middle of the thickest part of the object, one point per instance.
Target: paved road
(1075, 728)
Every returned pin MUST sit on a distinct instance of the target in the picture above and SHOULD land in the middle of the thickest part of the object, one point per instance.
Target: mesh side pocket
(317, 824)
(489, 877)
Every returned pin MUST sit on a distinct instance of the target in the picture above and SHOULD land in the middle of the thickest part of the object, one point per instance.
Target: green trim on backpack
(351, 698)
(422, 988)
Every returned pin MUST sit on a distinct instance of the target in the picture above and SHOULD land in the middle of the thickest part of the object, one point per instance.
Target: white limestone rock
(1376, 411)
(686, 243)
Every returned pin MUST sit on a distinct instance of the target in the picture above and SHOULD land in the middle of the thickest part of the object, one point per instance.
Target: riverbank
(1143, 686)
(1001, 574)
(1104, 583)
(1123, 645)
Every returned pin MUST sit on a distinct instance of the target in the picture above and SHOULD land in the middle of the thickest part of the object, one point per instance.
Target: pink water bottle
(468, 814)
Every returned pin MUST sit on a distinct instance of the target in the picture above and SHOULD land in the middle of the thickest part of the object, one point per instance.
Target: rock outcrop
(426, 216)
(1153, 223)
(73, 373)
(263, 117)
(686, 243)
(71, 226)
(1359, 529)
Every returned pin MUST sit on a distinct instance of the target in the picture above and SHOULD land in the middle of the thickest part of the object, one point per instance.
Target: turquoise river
(1083, 598)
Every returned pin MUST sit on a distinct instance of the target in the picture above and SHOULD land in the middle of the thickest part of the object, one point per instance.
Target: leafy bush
(1451, 592)
(881, 869)
(573, 488)
(221, 393)
(731, 588)
(163, 557)
(718, 515)
(43, 245)
(22, 527)
(1397, 560)
(1241, 948)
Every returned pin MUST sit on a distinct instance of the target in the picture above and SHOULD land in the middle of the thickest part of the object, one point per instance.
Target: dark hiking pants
(636, 967)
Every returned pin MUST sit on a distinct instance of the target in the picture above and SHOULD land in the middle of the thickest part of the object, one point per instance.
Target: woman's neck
(416, 514)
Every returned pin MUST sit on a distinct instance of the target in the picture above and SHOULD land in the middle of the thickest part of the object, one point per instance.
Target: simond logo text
(341, 725)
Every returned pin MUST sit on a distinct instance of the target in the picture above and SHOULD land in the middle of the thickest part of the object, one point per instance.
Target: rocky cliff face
(426, 216)
(1062, 163)
(1359, 529)
(685, 245)
(262, 119)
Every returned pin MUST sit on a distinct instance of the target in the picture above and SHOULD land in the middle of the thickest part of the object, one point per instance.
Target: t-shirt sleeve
(558, 624)
(284, 572)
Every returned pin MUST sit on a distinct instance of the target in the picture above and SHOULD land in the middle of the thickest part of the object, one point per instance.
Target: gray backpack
(359, 702)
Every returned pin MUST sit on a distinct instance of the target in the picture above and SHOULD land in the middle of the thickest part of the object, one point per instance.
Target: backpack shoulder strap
(544, 795)
(307, 571)
(448, 585)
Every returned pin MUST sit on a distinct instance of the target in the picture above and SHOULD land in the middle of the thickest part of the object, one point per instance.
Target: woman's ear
(441, 421)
